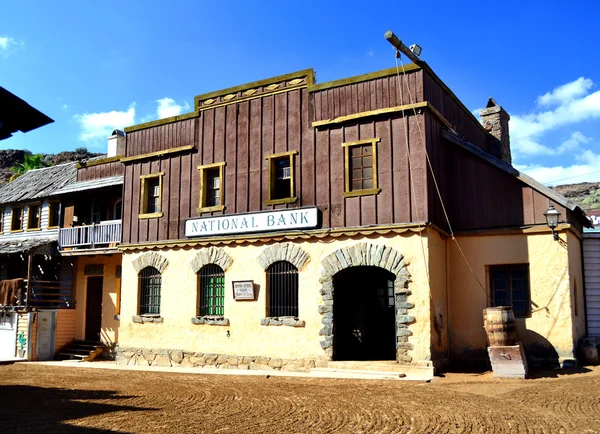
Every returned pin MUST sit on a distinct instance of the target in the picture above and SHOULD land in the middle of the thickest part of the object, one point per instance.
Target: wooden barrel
(499, 323)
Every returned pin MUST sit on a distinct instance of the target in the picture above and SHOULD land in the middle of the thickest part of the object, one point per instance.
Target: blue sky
(96, 66)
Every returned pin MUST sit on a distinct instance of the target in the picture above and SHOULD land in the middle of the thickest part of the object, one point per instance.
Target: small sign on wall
(243, 290)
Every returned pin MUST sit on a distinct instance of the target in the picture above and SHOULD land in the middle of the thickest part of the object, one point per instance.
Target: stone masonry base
(187, 359)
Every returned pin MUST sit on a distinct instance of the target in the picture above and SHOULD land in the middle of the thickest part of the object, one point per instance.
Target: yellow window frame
(144, 191)
(12, 213)
(51, 205)
(348, 192)
(271, 159)
(202, 207)
(38, 205)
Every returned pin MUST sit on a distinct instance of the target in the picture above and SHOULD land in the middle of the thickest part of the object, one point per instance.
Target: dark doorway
(364, 314)
(93, 308)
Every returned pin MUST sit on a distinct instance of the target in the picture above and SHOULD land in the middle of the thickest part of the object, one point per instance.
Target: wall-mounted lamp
(552, 216)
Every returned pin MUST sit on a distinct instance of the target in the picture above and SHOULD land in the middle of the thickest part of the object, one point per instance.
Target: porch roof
(91, 184)
(24, 245)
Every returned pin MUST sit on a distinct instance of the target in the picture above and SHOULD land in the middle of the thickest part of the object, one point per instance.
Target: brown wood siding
(114, 168)
(476, 194)
(243, 134)
(65, 328)
(462, 121)
(160, 138)
(369, 95)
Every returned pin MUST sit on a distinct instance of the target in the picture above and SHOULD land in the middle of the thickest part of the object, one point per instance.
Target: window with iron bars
(282, 282)
(150, 282)
(211, 287)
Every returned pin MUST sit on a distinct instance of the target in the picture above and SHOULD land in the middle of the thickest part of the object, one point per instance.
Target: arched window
(211, 290)
(282, 281)
(149, 282)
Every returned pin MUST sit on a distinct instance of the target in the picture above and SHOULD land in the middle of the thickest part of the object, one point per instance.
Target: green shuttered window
(211, 287)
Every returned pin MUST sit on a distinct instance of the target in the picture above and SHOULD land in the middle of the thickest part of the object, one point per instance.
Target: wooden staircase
(83, 351)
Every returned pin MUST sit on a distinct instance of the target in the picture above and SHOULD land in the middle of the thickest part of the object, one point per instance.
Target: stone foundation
(188, 359)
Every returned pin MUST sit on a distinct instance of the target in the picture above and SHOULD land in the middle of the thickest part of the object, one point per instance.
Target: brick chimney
(116, 144)
(495, 119)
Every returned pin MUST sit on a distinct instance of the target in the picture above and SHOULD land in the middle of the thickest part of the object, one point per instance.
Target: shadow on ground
(30, 409)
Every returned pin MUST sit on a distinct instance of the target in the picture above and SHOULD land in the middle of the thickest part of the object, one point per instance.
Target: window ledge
(281, 201)
(355, 193)
(210, 320)
(142, 319)
(210, 208)
(33, 229)
(289, 321)
(150, 215)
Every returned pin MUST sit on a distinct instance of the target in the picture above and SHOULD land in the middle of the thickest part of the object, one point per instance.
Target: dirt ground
(49, 399)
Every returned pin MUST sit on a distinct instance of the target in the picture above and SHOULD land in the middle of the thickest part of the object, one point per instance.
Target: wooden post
(397, 43)
(29, 265)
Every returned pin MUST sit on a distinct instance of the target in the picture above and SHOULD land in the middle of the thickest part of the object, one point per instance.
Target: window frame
(271, 313)
(37, 205)
(348, 192)
(204, 169)
(12, 213)
(152, 296)
(144, 180)
(271, 159)
(201, 295)
(51, 205)
(2, 220)
(492, 292)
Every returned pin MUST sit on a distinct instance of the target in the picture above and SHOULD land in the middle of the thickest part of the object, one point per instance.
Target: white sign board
(280, 220)
(243, 290)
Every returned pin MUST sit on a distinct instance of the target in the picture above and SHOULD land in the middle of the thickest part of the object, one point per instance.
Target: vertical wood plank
(126, 216)
(336, 156)
(185, 204)
(255, 155)
(384, 202)
(174, 198)
(306, 189)
(268, 143)
(323, 176)
(243, 132)
(230, 155)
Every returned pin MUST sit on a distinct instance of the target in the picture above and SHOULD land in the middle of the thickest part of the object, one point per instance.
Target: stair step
(82, 356)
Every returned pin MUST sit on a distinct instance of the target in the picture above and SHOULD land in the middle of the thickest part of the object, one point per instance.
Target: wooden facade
(243, 126)
(103, 168)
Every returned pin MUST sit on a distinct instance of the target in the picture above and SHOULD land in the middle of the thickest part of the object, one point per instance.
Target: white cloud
(96, 127)
(573, 105)
(587, 169)
(565, 93)
(9, 45)
(167, 107)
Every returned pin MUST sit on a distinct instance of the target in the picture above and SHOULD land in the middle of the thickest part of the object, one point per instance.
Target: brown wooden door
(93, 308)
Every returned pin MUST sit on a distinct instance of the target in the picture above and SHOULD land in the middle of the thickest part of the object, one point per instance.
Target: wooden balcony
(96, 236)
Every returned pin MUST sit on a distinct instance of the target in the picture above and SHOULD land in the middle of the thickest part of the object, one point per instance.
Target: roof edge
(556, 197)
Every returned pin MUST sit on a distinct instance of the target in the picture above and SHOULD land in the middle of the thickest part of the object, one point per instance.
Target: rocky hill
(585, 194)
(12, 157)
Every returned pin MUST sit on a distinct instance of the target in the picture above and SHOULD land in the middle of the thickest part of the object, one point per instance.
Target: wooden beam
(397, 43)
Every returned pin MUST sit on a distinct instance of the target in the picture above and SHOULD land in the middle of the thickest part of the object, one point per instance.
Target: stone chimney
(495, 119)
(116, 144)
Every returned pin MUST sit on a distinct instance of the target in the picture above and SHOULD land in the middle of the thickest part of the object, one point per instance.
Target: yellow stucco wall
(110, 326)
(439, 299)
(550, 285)
(247, 336)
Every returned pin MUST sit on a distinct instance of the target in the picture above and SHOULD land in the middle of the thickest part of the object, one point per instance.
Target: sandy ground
(49, 399)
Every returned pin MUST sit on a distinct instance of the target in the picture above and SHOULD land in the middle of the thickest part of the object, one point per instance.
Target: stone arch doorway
(365, 256)
(364, 314)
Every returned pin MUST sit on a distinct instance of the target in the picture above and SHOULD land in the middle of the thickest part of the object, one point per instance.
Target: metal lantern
(552, 216)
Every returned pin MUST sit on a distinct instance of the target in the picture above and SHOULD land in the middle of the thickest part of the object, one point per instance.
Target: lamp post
(552, 216)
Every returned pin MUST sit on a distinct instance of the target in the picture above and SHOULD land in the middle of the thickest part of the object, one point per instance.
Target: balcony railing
(104, 234)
